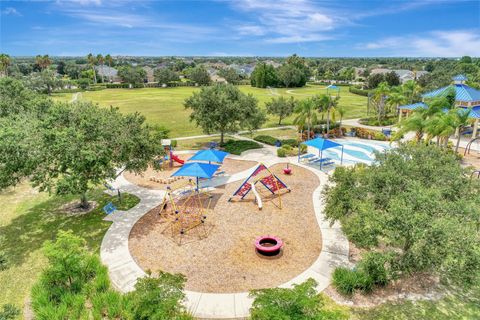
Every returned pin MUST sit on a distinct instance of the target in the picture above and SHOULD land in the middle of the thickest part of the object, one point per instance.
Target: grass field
(164, 106)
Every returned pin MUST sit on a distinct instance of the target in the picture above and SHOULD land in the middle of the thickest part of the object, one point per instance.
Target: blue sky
(241, 28)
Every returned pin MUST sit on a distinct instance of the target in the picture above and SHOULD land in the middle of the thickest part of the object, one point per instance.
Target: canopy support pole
(321, 157)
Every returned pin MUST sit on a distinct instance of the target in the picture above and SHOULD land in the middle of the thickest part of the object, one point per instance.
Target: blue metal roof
(209, 155)
(321, 143)
(196, 169)
(462, 93)
(475, 114)
(414, 106)
(460, 77)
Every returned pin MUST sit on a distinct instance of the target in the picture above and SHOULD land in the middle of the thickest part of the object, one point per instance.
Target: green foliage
(299, 303)
(291, 76)
(373, 121)
(417, 202)
(132, 75)
(224, 108)
(3, 261)
(239, 146)
(373, 265)
(9, 312)
(159, 298)
(266, 139)
(348, 281)
(165, 75)
(199, 75)
(231, 75)
(16, 98)
(264, 75)
(281, 152)
(359, 91)
(281, 107)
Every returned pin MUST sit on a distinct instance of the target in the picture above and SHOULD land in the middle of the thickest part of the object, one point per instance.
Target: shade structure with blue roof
(322, 144)
(210, 155)
(463, 92)
(197, 170)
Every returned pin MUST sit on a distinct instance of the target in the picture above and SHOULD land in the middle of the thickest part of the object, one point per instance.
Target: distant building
(109, 74)
(217, 78)
(403, 75)
(273, 63)
(149, 74)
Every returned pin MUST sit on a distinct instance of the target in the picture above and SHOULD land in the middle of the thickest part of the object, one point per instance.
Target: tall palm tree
(43, 61)
(307, 115)
(109, 60)
(341, 112)
(380, 97)
(416, 122)
(395, 99)
(462, 119)
(101, 61)
(411, 90)
(4, 63)
(92, 61)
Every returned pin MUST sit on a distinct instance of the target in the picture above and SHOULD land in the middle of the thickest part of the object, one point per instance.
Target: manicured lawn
(165, 105)
(28, 219)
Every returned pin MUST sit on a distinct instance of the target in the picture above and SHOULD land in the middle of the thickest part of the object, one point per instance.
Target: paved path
(124, 271)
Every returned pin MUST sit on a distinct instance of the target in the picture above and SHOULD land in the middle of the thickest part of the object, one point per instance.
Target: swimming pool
(354, 151)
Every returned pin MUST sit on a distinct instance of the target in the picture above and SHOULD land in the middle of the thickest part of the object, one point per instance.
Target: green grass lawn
(28, 219)
(164, 106)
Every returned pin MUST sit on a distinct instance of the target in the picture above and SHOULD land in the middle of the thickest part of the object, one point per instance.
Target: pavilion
(465, 97)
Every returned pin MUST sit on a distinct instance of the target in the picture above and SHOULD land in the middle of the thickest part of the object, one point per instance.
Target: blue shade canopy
(209, 155)
(322, 144)
(462, 93)
(333, 87)
(196, 169)
(460, 77)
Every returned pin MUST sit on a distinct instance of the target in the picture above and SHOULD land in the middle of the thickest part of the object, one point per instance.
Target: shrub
(109, 305)
(373, 265)
(290, 142)
(347, 281)
(281, 152)
(359, 91)
(266, 139)
(373, 121)
(9, 312)
(300, 303)
(238, 146)
(369, 134)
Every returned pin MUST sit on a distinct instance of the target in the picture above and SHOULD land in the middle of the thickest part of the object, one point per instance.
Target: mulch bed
(229, 166)
(220, 256)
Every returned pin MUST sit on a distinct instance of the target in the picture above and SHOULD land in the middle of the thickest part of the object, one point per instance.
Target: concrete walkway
(124, 271)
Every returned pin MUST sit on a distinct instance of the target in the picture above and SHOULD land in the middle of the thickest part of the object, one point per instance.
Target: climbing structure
(185, 210)
(268, 180)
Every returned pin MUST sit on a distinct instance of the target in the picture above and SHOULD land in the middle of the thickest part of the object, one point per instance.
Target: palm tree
(43, 61)
(379, 98)
(4, 63)
(109, 60)
(92, 61)
(395, 99)
(100, 61)
(307, 115)
(341, 112)
(416, 122)
(462, 119)
(411, 90)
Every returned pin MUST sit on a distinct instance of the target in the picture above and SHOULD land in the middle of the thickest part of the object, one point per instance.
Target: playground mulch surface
(229, 166)
(219, 256)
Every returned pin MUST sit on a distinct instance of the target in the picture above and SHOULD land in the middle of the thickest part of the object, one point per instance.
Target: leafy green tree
(328, 104)
(230, 74)
(16, 98)
(44, 81)
(224, 108)
(165, 75)
(100, 60)
(374, 80)
(302, 302)
(392, 78)
(418, 203)
(132, 75)
(264, 75)
(199, 75)
(281, 107)
(291, 76)
(43, 62)
(379, 99)
(159, 297)
(75, 148)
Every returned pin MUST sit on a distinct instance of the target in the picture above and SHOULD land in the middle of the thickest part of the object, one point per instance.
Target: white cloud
(286, 21)
(80, 2)
(11, 11)
(452, 43)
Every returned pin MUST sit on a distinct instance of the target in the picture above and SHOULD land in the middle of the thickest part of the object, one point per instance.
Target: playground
(217, 263)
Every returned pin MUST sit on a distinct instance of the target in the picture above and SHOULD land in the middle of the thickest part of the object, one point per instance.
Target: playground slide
(259, 200)
(177, 159)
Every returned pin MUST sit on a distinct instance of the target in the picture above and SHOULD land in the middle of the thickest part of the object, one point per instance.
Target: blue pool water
(355, 151)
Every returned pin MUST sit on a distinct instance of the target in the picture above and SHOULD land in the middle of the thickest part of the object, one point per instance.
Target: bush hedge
(359, 91)
(373, 121)
(369, 134)
(238, 146)
(272, 140)
(348, 281)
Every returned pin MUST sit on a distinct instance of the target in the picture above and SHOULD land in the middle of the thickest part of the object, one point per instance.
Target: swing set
(185, 211)
(266, 178)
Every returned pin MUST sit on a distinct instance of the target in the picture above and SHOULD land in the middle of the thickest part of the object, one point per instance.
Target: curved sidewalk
(124, 271)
